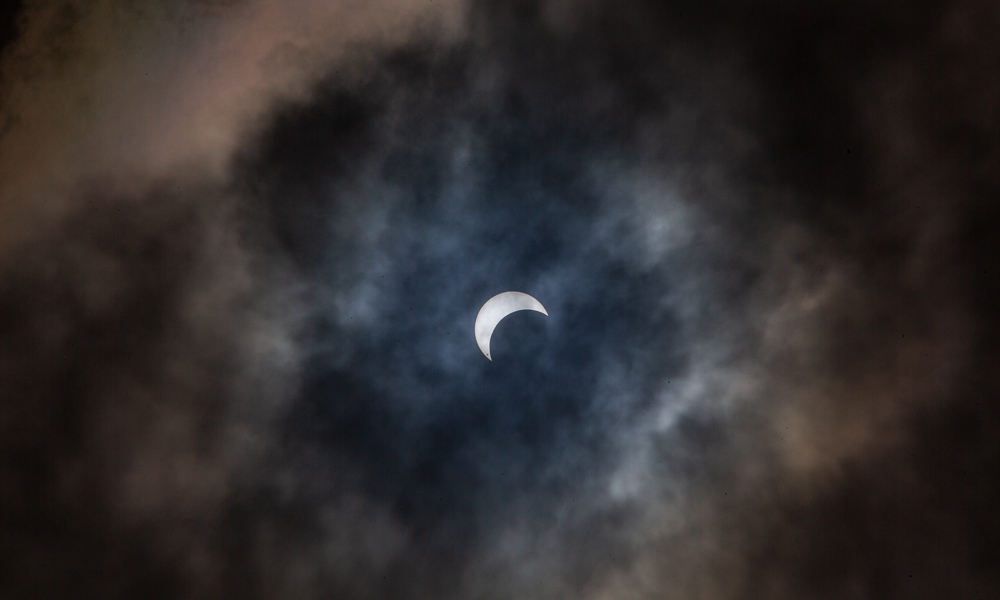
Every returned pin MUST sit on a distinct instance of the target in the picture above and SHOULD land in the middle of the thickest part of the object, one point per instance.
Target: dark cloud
(761, 234)
(8, 22)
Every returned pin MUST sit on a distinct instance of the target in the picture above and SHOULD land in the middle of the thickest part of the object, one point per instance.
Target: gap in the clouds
(401, 245)
(441, 444)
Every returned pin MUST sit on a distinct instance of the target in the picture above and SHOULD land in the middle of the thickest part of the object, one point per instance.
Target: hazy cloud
(244, 244)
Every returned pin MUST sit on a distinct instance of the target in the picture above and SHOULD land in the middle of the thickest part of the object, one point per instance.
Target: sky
(243, 244)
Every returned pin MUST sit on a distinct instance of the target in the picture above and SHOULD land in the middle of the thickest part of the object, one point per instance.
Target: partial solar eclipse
(498, 307)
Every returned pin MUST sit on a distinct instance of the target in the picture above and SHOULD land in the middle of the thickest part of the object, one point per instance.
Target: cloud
(238, 300)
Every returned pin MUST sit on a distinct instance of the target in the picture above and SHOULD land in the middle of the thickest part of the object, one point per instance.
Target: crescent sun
(498, 307)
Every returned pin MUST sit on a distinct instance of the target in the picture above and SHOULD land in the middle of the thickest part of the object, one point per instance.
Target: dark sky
(243, 245)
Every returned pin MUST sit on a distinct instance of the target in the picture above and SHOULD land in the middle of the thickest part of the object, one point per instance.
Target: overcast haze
(243, 244)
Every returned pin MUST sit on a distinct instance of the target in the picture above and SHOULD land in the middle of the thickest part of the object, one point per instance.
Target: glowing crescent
(498, 307)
